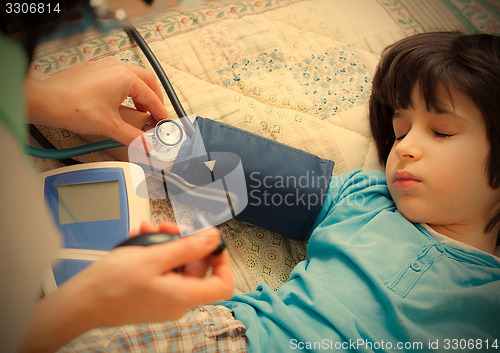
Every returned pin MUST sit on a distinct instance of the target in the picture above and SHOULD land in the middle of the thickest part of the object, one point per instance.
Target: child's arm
(286, 187)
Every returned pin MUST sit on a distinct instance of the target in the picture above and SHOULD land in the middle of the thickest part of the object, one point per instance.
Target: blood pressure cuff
(286, 187)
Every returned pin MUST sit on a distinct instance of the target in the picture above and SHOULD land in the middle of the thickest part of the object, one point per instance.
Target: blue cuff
(286, 186)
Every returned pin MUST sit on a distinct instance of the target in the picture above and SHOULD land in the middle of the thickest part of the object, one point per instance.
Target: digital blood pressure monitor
(95, 206)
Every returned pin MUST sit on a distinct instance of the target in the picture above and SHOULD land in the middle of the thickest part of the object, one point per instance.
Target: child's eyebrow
(397, 114)
(452, 113)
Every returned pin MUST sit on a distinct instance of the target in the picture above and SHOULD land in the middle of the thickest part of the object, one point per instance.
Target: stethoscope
(167, 136)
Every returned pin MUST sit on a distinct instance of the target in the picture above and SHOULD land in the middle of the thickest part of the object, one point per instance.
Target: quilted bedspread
(295, 71)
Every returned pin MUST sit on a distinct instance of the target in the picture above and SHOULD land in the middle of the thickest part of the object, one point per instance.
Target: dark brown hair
(431, 61)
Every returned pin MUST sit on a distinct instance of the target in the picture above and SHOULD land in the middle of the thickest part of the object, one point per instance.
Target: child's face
(436, 170)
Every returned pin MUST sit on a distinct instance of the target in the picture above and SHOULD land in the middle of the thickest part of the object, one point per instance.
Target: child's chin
(412, 211)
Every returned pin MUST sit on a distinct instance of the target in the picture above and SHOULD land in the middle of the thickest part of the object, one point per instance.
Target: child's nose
(409, 147)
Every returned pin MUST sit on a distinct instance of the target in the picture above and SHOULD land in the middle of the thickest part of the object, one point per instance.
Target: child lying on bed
(396, 262)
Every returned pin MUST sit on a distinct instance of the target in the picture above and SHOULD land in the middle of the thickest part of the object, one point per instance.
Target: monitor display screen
(88, 202)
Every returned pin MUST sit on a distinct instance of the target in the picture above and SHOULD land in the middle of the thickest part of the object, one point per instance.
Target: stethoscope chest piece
(169, 132)
(167, 137)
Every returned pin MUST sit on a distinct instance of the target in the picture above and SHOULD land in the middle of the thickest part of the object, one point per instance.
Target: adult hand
(86, 98)
(134, 284)
(141, 284)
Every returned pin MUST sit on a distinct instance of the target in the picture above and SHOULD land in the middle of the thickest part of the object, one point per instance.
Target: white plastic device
(95, 206)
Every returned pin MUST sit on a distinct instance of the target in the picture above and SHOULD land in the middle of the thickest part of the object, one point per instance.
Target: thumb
(186, 250)
(126, 133)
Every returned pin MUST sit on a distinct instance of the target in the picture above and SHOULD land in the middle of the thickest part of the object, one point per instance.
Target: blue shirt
(374, 281)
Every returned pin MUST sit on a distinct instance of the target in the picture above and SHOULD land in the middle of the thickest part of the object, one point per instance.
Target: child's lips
(405, 180)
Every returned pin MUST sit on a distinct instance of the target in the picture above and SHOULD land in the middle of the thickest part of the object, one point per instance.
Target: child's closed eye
(436, 133)
(442, 135)
(401, 137)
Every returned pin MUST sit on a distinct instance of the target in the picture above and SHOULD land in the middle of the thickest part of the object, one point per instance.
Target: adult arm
(133, 285)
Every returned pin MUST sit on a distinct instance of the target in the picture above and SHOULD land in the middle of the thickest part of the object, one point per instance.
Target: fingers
(185, 250)
(148, 228)
(133, 116)
(164, 227)
(149, 78)
(203, 290)
(142, 95)
(221, 265)
(192, 253)
(125, 133)
(141, 85)
(146, 93)
(172, 228)
(144, 75)
(197, 268)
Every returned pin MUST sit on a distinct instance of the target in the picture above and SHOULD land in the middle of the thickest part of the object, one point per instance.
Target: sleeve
(353, 194)
(28, 244)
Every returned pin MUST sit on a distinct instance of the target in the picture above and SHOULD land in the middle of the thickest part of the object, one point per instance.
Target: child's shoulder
(360, 189)
(356, 193)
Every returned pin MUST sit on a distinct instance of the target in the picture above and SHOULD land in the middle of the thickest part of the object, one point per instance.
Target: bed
(294, 71)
